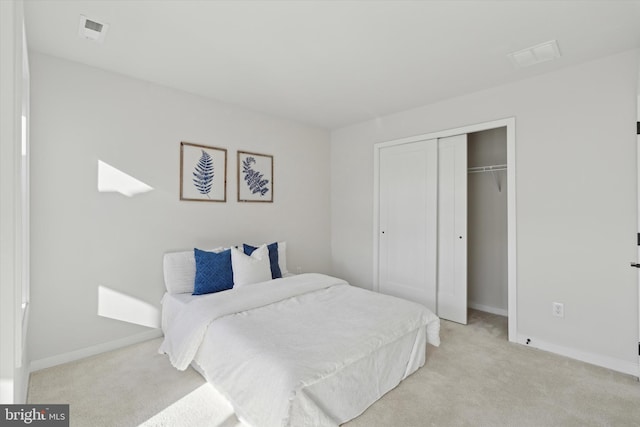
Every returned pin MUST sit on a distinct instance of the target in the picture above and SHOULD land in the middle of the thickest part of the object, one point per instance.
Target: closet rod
(491, 168)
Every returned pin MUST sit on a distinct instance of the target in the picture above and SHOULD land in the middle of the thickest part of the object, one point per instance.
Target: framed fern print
(255, 177)
(203, 173)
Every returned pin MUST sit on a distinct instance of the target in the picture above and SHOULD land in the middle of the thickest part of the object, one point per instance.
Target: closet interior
(487, 221)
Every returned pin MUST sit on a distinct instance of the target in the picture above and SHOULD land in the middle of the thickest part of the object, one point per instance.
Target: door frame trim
(510, 124)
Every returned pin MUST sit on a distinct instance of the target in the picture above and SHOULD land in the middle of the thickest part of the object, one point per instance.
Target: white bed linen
(309, 350)
(172, 305)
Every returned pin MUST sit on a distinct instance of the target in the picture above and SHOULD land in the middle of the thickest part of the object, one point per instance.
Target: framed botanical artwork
(203, 173)
(255, 177)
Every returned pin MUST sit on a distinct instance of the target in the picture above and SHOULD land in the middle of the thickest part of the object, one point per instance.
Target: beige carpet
(475, 378)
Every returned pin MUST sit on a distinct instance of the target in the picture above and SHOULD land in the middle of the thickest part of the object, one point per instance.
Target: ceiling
(330, 63)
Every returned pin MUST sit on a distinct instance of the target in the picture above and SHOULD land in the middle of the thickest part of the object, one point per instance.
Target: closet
(441, 226)
(487, 221)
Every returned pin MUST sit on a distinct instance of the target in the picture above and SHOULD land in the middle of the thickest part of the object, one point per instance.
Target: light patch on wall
(119, 306)
(113, 180)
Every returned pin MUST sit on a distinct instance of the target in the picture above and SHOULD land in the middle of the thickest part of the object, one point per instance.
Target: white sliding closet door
(408, 178)
(452, 228)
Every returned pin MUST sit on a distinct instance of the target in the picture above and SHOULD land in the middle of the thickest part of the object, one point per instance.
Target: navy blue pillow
(273, 258)
(213, 272)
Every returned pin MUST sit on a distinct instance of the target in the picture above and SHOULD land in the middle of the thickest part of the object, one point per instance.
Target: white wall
(576, 200)
(487, 223)
(82, 239)
(13, 321)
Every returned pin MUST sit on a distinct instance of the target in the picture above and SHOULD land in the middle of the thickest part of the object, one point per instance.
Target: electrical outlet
(558, 309)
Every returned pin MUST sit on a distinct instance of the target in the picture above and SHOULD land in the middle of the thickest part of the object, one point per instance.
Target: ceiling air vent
(92, 30)
(535, 54)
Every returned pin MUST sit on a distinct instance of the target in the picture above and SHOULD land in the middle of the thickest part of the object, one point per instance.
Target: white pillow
(180, 271)
(282, 257)
(250, 269)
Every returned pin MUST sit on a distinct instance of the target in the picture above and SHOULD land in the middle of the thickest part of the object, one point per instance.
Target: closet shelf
(493, 169)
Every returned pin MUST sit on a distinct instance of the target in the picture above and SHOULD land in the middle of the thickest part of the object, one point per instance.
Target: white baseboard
(488, 309)
(614, 364)
(59, 359)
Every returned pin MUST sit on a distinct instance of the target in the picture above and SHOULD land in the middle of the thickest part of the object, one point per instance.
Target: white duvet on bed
(304, 350)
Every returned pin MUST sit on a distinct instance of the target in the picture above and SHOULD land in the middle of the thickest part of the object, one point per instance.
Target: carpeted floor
(475, 378)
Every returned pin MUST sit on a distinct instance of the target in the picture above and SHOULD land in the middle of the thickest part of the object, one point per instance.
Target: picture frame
(203, 173)
(255, 177)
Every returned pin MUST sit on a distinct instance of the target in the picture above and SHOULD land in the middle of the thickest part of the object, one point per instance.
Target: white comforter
(266, 346)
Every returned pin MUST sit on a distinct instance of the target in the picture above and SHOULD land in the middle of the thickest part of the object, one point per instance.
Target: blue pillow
(273, 258)
(213, 272)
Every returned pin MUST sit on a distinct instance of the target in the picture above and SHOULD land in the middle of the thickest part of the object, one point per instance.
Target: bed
(301, 350)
